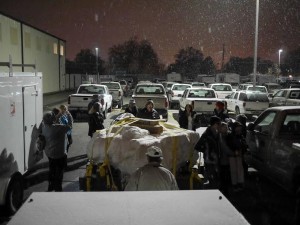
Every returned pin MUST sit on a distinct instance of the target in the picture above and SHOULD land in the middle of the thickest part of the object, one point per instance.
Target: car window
(91, 90)
(202, 94)
(112, 85)
(279, 94)
(242, 97)
(257, 97)
(147, 89)
(260, 89)
(294, 95)
(291, 125)
(222, 88)
(265, 124)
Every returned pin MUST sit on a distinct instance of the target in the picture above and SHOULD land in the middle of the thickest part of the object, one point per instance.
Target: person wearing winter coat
(187, 117)
(55, 136)
(237, 145)
(148, 112)
(209, 145)
(96, 119)
(132, 108)
(220, 111)
(153, 176)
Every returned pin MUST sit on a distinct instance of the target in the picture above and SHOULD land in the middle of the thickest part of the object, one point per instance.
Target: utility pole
(223, 56)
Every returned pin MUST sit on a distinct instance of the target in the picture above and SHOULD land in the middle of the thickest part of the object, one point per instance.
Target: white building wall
(47, 52)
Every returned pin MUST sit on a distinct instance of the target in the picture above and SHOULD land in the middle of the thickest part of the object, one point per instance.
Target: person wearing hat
(153, 176)
(220, 111)
(97, 98)
(148, 112)
(55, 149)
(208, 144)
(132, 108)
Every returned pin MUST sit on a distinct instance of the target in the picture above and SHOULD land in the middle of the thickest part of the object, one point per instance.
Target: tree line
(138, 57)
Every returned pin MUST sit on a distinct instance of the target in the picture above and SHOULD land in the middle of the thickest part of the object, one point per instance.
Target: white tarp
(127, 145)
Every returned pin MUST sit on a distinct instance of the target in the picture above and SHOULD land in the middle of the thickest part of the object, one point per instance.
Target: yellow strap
(88, 175)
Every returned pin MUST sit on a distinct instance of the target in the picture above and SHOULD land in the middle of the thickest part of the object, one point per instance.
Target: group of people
(57, 135)
(222, 144)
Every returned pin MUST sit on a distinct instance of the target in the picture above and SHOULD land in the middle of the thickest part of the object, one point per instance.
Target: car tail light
(166, 103)
(244, 104)
(69, 100)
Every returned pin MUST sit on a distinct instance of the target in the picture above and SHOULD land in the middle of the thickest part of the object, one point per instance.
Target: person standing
(132, 108)
(187, 117)
(55, 149)
(237, 145)
(208, 144)
(148, 112)
(96, 119)
(153, 176)
(220, 111)
(67, 119)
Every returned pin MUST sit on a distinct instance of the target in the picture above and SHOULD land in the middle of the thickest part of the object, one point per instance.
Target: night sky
(168, 24)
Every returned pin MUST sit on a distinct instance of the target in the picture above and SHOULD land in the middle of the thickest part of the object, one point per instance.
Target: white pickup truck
(79, 102)
(202, 99)
(286, 97)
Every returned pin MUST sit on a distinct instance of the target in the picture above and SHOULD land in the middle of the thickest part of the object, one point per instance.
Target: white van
(21, 110)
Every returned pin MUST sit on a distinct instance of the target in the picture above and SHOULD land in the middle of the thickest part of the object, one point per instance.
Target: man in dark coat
(148, 112)
(208, 144)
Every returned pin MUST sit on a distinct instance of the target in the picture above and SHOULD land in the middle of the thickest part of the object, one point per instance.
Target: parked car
(259, 88)
(168, 85)
(78, 102)
(286, 97)
(273, 141)
(272, 87)
(222, 89)
(242, 87)
(176, 92)
(156, 92)
(247, 102)
(202, 99)
(116, 91)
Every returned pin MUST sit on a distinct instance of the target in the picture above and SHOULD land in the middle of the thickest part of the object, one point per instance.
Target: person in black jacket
(220, 111)
(208, 144)
(96, 119)
(132, 108)
(186, 118)
(148, 112)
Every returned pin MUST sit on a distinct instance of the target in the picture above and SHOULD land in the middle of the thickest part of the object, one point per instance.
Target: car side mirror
(250, 127)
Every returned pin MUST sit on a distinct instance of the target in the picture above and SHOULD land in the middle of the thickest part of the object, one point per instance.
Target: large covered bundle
(125, 144)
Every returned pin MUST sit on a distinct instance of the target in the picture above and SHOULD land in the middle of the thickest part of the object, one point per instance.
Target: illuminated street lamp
(96, 49)
(279, 53)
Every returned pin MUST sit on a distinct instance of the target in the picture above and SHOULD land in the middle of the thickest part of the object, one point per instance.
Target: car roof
(200, 88)
(220, 84)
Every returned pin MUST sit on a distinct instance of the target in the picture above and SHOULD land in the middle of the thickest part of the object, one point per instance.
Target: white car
(259, 88)
(247, 102)
(176, 93)
(202, 99)
(116, 91)
(222, 90)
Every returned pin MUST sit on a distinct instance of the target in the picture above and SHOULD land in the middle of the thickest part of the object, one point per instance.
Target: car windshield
(149, 89)
(112, 85)
(91, 90)
(202, 94)
(221, 88)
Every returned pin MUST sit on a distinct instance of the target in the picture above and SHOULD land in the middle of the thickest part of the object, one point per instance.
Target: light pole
(255, 45)
(279, 53)
(96, 49)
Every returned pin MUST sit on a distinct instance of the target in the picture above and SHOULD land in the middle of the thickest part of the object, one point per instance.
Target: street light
(279, 52)
(97, 65)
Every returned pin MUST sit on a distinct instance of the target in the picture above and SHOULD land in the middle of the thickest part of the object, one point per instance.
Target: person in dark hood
(208, 144)
(220, 111)
(148, 112)
(132, 108)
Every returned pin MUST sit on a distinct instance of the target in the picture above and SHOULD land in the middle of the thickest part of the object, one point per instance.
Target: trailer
(21, 101)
